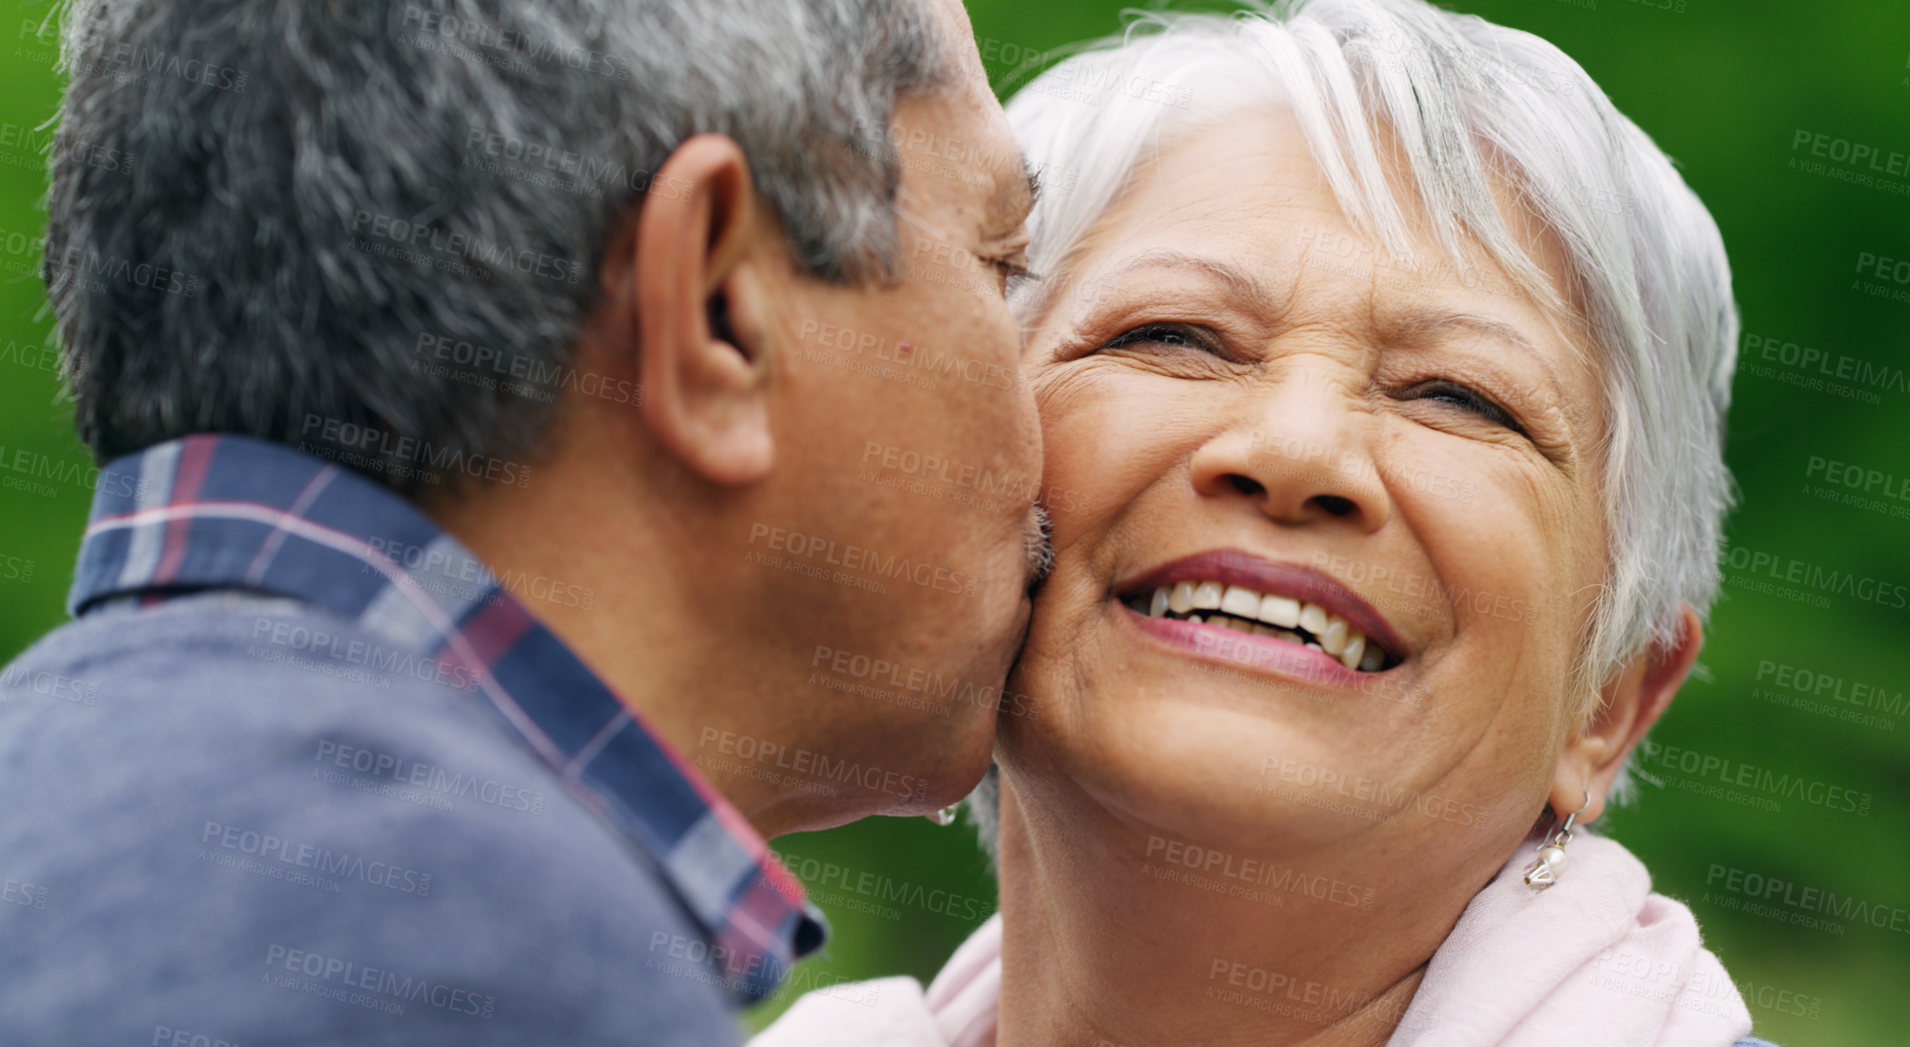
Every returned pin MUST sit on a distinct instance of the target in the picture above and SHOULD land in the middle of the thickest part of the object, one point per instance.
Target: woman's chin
(1179, 772)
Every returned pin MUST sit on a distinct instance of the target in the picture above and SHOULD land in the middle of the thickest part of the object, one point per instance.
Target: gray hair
(270, 212)
(1467, 102)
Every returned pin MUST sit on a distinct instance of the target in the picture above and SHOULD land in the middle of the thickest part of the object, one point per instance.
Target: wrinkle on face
(1226, 235)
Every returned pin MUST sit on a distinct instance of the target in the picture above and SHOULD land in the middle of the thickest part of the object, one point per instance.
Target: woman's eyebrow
(1243, 283)
(1421, 324)
(1410, 326)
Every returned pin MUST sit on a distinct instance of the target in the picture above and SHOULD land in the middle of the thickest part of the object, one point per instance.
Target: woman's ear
(703, 345)
(1629, 705)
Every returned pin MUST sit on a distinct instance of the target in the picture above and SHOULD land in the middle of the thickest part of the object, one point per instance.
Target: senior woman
(1389, 365)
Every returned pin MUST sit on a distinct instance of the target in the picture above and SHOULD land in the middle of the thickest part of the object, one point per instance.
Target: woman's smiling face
(1239, 389)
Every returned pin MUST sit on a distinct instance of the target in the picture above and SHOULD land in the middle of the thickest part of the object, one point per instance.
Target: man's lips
(1217, 574)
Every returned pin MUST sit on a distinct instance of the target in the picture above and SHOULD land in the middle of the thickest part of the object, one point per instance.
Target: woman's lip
(1235, 567)
(1264, 655)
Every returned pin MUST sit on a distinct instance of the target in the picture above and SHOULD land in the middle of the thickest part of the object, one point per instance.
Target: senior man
(510, 519)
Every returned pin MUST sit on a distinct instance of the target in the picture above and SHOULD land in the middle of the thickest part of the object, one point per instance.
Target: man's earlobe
(702, 255)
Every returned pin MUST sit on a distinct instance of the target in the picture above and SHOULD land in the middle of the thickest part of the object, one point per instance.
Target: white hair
(1467, 104)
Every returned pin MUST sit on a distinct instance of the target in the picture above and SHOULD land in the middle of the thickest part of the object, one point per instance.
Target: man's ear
(701, 330)
(1631, 702)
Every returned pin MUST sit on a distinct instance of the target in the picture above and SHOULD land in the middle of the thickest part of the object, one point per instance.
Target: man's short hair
(372, 228)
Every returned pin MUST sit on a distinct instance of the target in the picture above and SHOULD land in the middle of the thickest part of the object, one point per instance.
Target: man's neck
(682, 679)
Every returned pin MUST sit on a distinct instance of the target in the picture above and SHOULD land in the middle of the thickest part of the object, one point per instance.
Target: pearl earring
(945, 816)
(1551, 863)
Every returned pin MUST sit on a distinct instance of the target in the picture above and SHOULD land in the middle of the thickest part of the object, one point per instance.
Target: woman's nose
(1297, 447)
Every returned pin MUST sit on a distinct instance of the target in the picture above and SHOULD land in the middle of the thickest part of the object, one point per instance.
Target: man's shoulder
(235, 637)
(207, 691)
(226, 814)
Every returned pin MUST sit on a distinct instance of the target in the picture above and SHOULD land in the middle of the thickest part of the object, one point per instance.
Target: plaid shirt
(231, 512)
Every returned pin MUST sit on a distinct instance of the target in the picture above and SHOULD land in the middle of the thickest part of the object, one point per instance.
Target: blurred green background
(1729, 88)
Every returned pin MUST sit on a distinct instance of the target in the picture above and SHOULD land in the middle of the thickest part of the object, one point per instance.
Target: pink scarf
(1596, 960)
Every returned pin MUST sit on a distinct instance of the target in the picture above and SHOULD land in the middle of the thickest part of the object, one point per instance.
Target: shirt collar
(233, 512)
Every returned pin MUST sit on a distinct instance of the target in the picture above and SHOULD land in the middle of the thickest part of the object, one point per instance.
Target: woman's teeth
(1280, 617)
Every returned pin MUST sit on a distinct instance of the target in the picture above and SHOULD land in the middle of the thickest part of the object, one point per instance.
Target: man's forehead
(965, 145)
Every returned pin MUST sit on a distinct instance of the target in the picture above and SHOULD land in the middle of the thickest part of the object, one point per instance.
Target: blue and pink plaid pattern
(231, 512)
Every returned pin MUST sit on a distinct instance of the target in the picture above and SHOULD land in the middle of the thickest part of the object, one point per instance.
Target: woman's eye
(1467, 399)
(1178, 335)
